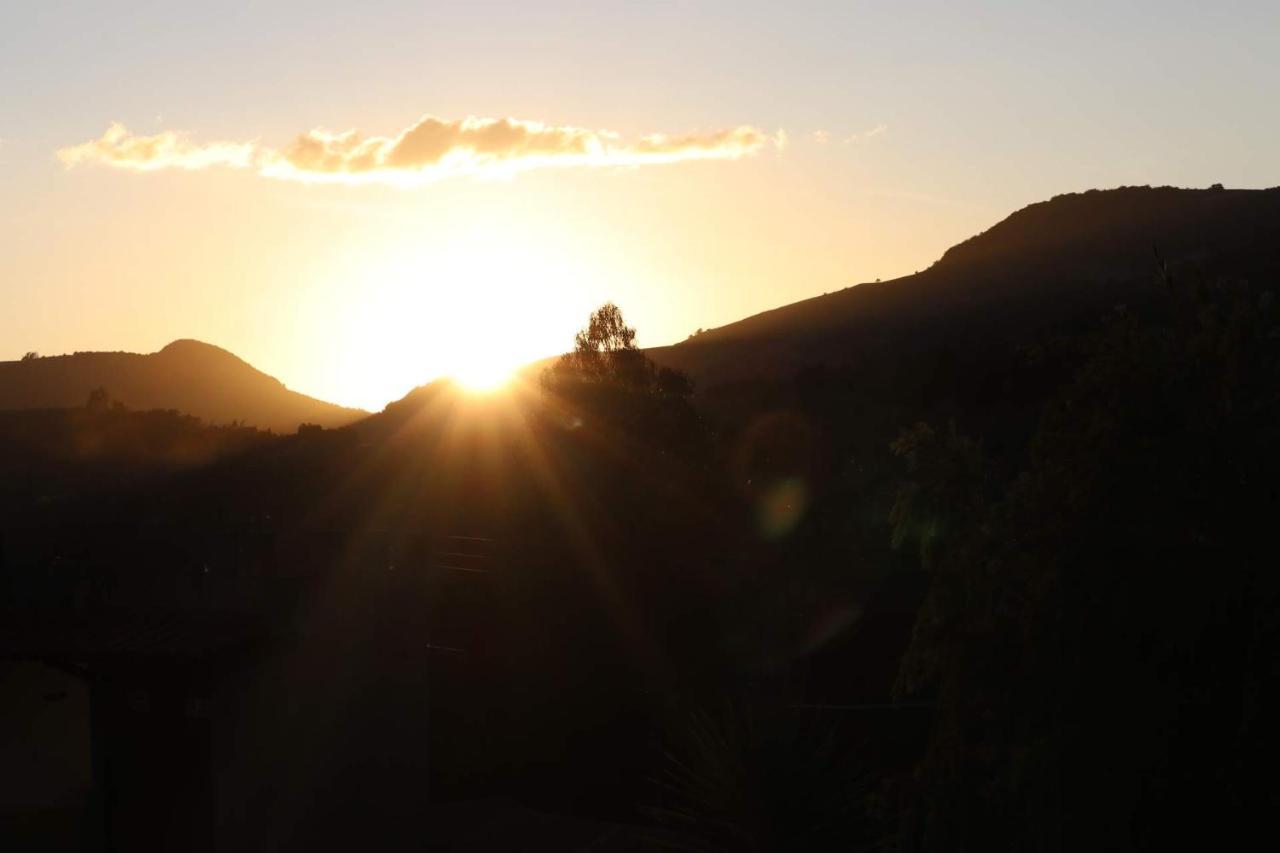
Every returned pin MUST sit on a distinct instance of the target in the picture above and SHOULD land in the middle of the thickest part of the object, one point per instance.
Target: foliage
(1095, 638)
(607, 382)
(605, 351)
(757, 776)
(605, 355)
(943, 488)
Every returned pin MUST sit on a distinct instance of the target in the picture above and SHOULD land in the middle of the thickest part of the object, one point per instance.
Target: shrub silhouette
(1093, 636)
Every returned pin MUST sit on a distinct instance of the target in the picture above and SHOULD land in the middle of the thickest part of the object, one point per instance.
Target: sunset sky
(359, 197)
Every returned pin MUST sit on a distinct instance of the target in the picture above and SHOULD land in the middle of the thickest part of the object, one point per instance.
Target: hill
(1044, 268)
(192, 377)
(957, 508)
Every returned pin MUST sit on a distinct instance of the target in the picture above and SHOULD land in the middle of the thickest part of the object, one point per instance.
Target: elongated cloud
(168, 150)
(866, 134)
(429, 150)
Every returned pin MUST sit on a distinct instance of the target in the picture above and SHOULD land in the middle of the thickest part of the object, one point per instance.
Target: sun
(482, 374)
(474, 307)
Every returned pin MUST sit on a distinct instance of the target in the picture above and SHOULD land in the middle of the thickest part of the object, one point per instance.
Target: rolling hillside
(193, 377)
(1042, 269)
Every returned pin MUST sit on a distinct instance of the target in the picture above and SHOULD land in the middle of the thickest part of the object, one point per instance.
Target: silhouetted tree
(605, 358)
(99, 400)
(605, 351)
(609, 384)
(30, 356)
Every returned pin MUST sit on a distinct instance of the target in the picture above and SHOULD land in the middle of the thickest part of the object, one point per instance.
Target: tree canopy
(605, 354)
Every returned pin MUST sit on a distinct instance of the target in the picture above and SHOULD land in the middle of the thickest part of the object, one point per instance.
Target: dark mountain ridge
(190, 376)
(1044, 267)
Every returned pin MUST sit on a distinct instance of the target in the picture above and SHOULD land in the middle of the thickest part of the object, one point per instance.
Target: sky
(357, 198)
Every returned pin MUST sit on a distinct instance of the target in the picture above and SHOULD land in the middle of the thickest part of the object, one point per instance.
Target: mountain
(193, 377)
(1089, 521)
(1043, 269)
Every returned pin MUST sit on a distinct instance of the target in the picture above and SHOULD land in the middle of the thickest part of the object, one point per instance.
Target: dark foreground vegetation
(1014, 592)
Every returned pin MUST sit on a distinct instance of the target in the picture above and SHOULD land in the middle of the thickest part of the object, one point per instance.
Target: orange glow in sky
(457, 194)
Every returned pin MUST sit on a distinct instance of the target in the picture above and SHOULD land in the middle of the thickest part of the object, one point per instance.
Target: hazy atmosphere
(872, 136)
(717, 427)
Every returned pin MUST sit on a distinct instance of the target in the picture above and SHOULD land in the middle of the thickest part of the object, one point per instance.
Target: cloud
(167, 150)
(866, 134)
(821, 137)
(431, 149)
